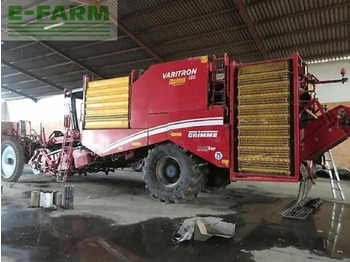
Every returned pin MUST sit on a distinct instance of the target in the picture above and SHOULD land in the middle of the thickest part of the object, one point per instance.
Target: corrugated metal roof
(174, 29)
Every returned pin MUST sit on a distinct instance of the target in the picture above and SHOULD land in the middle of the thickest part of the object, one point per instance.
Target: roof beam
(98, 42)
(214, 47)
(66, 74)
(70, 58)
(234, 28)
(50, 66)
(55, 50)
(19, 93)
(27, 73)
(152, 9)
(163, 6)
(327, 56)
(9, 75)
(33, 58)
(118, 23)
(305, 30)
(246, 18)
(190, 20)
(304, 12)
(129, 63)
(120, 52)
(20, 46)
(292, 47)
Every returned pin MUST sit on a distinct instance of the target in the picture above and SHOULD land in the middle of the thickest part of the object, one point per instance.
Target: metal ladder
(219, 72)
(333, 174)
(67, 152)
(332, 239)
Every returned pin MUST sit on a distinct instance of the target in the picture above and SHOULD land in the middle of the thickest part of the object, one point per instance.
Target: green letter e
(15, 12)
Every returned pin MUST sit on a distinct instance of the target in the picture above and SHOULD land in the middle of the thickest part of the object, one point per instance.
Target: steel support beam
(214, 47)
(152, 9)
(190, 20)
(33, 58)
(112, 53)
(327, 56)
(9, 75)
(19, 47)
(246, 18)
(118, 23)
(98, 42)
(19, 93)
(83, 72)
(304, 12)
(129, 63)
(70, 58)
(229, 29)
(325, 42)
(25, 72)
(56, 50)
(50, 66)
(305, 30)
(166, 5)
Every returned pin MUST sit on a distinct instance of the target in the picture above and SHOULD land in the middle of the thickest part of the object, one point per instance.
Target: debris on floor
(50, 200)
(203, 228)
(68, 197)
(295, 211)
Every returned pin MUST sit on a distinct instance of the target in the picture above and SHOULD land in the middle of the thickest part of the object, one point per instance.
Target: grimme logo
(63, 21)
(202, 134)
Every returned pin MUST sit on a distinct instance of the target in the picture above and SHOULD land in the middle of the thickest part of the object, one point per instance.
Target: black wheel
(172, 175)
(12, 160)
(137, 166)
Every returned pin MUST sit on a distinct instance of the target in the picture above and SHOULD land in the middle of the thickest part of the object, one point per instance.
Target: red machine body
(193, 104)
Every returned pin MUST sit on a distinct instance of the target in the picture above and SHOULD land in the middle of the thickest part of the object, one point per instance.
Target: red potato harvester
(198, 121)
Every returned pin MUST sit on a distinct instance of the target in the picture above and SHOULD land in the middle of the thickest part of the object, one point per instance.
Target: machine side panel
(170, 87)
(157, 132)
(203, 133)
(109, 141)
(139, 100)
(179, 86)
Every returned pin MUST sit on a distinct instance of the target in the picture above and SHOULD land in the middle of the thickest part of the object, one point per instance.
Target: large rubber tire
(12, 160)
(169, 157)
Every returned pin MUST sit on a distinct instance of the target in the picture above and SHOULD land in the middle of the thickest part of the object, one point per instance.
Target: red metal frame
(170, 103)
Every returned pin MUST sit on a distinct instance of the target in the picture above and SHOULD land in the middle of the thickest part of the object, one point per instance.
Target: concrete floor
(115, 219)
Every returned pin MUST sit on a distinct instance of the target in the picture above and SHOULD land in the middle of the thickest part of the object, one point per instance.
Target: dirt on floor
(115, 219)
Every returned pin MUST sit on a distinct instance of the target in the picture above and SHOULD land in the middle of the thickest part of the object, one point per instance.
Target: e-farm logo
(61, 21)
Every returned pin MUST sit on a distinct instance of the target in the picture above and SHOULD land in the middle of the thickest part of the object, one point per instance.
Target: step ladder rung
(330, 166)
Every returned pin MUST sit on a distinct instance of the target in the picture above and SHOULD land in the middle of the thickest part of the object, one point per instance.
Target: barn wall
(48, 111)
(331, 92)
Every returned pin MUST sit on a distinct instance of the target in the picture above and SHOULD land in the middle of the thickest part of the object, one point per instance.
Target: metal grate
(263, 114)
(295, 211)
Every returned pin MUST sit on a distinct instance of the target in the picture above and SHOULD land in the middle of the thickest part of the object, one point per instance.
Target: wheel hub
(8, 162)
(168, 171)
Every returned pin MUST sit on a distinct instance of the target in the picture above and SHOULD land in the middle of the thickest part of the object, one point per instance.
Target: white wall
(4, 112)
(331, 92)
(49, 111)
